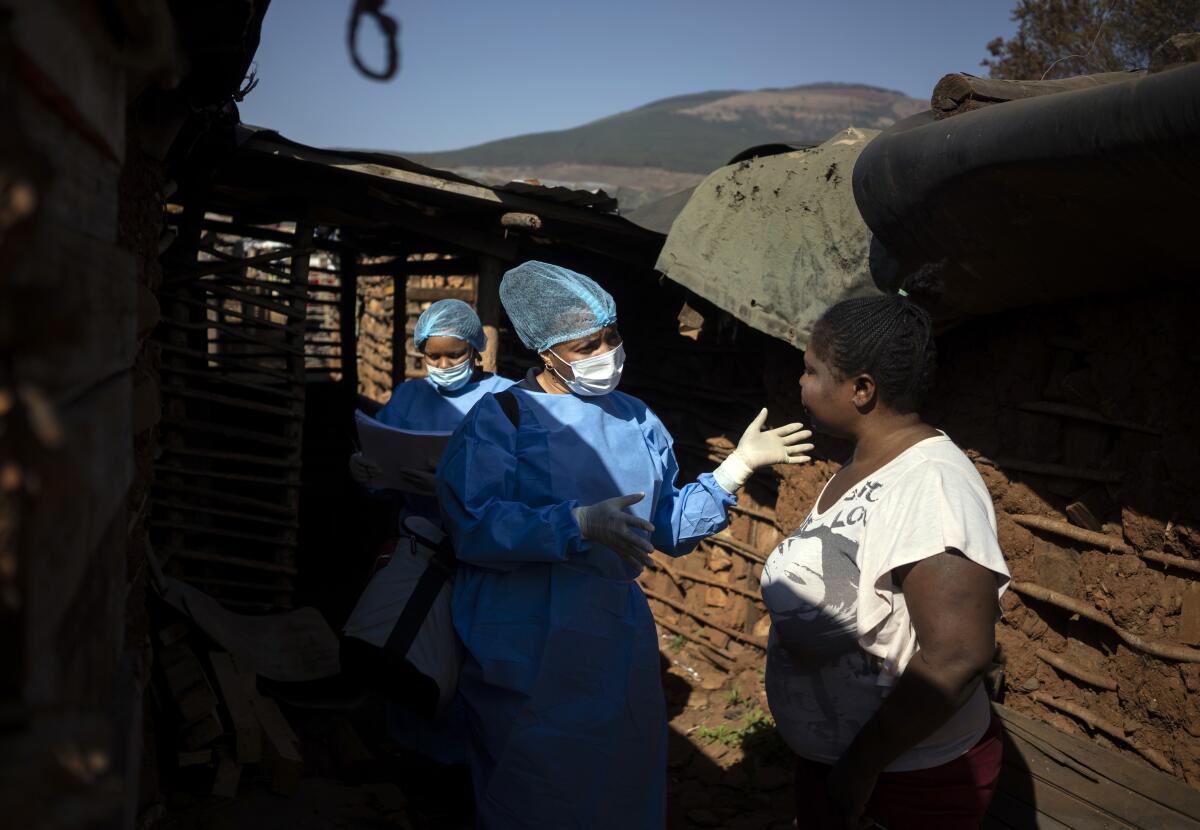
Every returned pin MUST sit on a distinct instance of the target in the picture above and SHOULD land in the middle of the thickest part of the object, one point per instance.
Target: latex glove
(607, 522)
(363, 469)
(760, 448)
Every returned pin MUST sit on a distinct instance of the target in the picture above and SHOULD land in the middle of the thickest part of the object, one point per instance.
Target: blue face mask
(454, 378)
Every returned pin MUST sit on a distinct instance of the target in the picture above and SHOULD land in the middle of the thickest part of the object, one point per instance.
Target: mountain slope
(665, 145)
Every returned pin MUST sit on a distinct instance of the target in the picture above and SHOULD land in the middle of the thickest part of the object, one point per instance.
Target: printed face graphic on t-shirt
(810, 582)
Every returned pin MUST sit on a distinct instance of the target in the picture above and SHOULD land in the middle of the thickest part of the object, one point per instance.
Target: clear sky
(477, 70)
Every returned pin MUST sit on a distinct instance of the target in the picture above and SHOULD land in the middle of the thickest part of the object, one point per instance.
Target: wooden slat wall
(244, 335)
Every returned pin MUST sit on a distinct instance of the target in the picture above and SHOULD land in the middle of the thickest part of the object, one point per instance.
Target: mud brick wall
(376, 309)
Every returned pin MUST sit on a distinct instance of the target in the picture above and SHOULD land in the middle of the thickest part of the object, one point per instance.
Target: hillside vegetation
(645, 153)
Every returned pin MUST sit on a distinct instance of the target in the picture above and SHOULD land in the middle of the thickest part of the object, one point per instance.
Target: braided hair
(889, 338)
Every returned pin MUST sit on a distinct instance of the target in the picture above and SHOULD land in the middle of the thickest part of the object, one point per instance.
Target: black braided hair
(889, 338)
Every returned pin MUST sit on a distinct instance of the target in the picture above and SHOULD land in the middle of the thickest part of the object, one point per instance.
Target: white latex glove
(363, 469)
(607, 522)
(760, 448)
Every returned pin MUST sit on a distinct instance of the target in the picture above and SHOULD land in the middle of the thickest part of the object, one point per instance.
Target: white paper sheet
(409, 458)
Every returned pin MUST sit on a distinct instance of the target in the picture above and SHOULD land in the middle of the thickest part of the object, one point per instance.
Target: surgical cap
(450, 318)
(549, 304)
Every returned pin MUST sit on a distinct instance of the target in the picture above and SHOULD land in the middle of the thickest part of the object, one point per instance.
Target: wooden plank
(228, 362)
(195, 758)
(83, 85)
(218, 311)
(348, 321)
(222, 291)
(85, 479)
(228, 431)
(249, 231)
(423, 294)
(203, 732)
(399, 330)
(191, 555)
(1009, 813)
(1129, 790)
(281, 747)
(186, 681)
(487, 304)
(228, 774)
(239, 457)
(221, 496)
(177, 391)
(291, 482)
(1059, 805)
(427, 186)
(228, 264)
(237, 334)
(238, 698)
(224, 532)
(94, 312)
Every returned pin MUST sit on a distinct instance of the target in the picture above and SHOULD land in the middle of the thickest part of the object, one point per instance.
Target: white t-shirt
(841, 635)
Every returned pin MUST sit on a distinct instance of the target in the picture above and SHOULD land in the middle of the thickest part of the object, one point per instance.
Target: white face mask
(595, 375)
(456, 377)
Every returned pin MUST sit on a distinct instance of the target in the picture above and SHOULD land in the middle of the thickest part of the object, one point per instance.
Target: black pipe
(1044, 198)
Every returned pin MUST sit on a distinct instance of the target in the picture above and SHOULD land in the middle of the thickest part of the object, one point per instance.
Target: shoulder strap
(510, 407)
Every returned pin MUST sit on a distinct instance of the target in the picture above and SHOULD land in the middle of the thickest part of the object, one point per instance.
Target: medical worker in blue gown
(451, 337)
(555, 493)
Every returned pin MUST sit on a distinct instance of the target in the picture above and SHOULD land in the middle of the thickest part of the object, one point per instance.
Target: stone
(1057, 568)
(715, 597)
(718, 638)
(763, 627)
(719, 560)
(1189, 616)
(713, 682)
(1032, 684)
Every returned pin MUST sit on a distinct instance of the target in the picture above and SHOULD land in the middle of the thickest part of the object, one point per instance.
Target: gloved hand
(607, 522)
(363, 469)
(760, 448)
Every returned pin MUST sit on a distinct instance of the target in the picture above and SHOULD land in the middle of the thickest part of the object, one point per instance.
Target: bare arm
(952, 603)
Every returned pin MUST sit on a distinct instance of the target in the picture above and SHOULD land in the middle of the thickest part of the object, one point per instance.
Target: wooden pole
(1167, 651)
(399, 327)
(348, 320)
(487, 305)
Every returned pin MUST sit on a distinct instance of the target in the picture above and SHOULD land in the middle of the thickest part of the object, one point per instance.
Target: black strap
(509, 406)
(441, 568)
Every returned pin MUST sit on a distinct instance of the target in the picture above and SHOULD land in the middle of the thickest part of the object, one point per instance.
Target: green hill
(666, 145)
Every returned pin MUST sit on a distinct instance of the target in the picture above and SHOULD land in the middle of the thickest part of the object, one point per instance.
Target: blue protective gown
(420, 404)
(561, 681)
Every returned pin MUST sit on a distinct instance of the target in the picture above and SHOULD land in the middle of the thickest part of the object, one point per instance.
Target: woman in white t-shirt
(884, 601)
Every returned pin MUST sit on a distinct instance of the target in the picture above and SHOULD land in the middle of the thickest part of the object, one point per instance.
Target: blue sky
(477, 70)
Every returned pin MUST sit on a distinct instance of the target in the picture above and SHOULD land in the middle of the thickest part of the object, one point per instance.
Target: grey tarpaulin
(777, 240)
